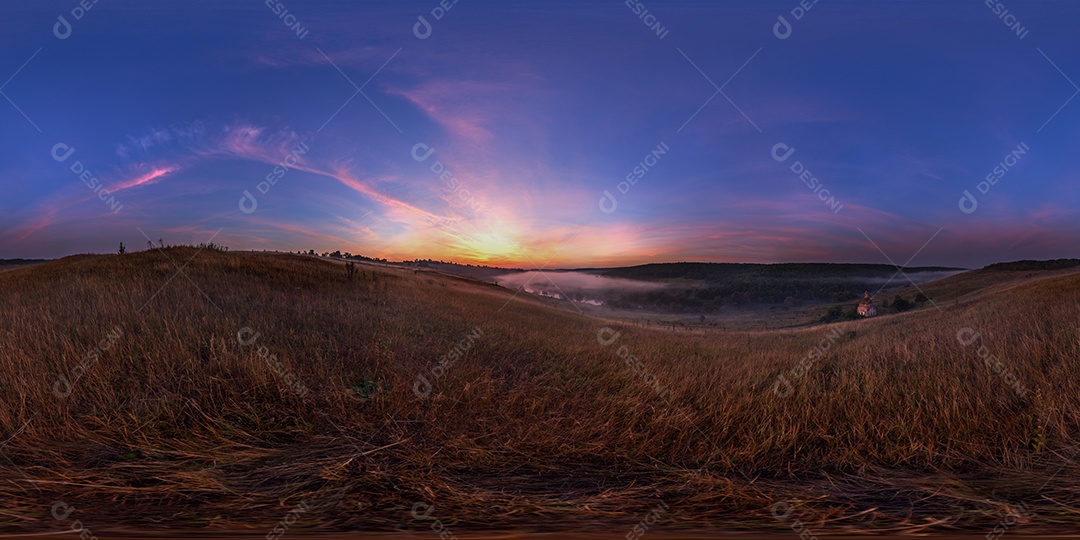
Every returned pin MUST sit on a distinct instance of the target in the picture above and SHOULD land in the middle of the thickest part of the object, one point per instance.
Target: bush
(837, 314)
(901, 305)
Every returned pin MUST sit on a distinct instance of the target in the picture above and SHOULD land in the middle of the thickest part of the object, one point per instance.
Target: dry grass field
(255, 391)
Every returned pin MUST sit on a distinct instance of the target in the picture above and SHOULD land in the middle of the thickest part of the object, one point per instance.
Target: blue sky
(895, 108)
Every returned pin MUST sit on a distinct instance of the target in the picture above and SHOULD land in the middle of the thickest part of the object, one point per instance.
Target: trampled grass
(541, 420)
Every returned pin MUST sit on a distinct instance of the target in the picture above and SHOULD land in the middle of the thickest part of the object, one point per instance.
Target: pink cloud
(255, 143)
(452, 105)
(145, 179)
(43, 220)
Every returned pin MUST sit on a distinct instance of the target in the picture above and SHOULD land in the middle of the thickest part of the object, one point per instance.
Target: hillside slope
(398, 389)
(995, 277)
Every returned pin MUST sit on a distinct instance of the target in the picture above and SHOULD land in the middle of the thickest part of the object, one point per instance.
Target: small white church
(866, 307)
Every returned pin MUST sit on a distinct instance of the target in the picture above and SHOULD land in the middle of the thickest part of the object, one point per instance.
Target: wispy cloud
(145, 179)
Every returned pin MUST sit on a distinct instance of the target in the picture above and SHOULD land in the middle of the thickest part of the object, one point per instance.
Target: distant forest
(1030, 266)
(22, 261)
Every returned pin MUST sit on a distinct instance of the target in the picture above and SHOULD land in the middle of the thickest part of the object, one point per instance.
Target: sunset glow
(497, 144)
(488, 269)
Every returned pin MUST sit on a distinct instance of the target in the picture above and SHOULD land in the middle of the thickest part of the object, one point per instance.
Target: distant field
(144, 398)
(9, 264)
(728, 296)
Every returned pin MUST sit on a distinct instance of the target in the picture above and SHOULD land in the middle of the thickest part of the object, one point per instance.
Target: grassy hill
(253, 385)
(1000, 276)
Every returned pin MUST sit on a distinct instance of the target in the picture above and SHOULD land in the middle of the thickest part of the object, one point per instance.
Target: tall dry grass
(897, 426)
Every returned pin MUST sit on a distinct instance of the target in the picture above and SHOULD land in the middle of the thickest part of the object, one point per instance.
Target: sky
(545, 134)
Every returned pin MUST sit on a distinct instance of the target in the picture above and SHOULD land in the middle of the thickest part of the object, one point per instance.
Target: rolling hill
(247, 386)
